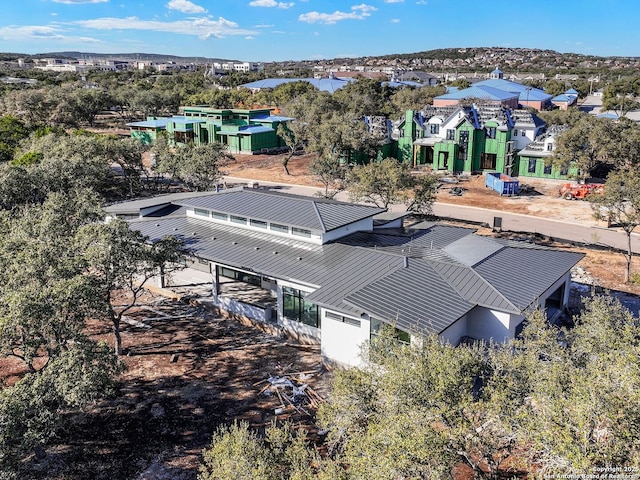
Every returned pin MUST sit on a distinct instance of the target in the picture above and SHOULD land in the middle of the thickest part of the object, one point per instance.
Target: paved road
(560, 230)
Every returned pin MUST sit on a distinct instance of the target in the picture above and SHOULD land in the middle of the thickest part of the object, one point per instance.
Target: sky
(274, 30)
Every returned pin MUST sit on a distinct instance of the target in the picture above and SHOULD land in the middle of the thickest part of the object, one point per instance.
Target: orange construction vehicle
(579, 191)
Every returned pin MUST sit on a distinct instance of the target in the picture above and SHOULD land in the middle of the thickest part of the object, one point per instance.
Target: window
(257, 223)
(242, 220)
(490, 132)
(240, 276)
(276, 227)
(564, 170)
(549, 147)
(532, 165)
(463, 143)
(401, 335)
(523, 133)
(296, 308)
(200, 212)
(515, 132)
(434, 128)
(301, 232)
(547, 169)
(451, 134)
(343, 319)
(220, 216)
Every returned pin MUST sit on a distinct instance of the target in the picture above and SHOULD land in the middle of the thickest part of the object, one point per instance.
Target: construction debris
(293, 394)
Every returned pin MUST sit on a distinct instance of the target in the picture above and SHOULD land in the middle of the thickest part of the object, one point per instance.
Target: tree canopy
(426, 409)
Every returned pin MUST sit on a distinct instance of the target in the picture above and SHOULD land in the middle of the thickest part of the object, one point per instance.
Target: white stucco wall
(364, 225)
(566, 279)
(455, 331)
(486, 324)
(342, 342)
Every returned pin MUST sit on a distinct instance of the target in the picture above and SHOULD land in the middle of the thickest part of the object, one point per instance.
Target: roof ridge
(475, 273)
(315, 208)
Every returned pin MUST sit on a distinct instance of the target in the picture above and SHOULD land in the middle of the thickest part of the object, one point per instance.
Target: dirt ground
(188, 371)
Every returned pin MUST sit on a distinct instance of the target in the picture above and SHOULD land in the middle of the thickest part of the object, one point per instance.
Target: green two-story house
(242, 130)
(463, 138)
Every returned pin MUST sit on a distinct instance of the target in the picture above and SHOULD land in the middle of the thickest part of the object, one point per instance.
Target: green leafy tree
(121, 262)
(620, 97)
(31, 410)
(381, 183)
(197, 166)
(425, 187)
(283, 453)
(12, 132)
(461, 83)
(404, 99)
(619, 204)
(44, 295)
(584, 145)
(331, 172)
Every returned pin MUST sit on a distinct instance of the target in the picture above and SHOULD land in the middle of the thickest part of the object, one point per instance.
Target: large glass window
(532, 165)
(201, 212)
(491, 132)
(451, 134)
(296, 307)
(434, 128)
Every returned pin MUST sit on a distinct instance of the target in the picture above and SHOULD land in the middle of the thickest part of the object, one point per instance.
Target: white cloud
(393, 1)
(41, 32)
(201, 27)
(358, 12)
(270, 3)
(421, 2)
(395, 20)
(78, 2)
(249, 37)
(185, 6)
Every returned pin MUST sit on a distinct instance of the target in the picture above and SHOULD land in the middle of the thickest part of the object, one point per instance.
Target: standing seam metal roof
(299, 211)
(402, 276)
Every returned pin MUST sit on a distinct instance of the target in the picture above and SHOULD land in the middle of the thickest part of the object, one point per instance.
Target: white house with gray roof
(333, 272)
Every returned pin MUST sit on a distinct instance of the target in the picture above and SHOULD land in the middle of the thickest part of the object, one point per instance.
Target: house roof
(483, 92)
(330, 84)
(523, 91)
(296, 210)
(151, 123)
(422, 278)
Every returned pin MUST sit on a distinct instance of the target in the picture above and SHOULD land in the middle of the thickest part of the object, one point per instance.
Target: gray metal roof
(472, 287)
(296, 210)
(421, 279)
(471, 249)
(134, 206)
(523, 274)
(414, 298)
